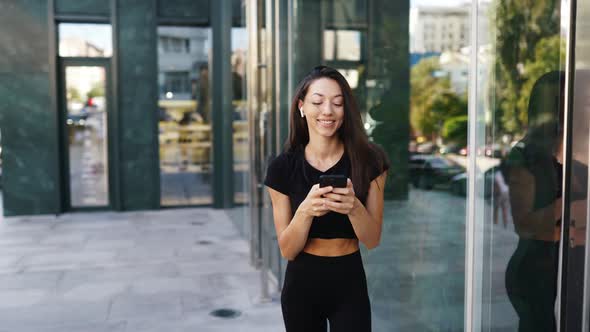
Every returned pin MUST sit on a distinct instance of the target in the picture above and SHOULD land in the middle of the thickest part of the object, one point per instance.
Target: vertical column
(388, 64)
(137, 105)
(222, 110)
(30, 141)
(307, 37)
(282, 101)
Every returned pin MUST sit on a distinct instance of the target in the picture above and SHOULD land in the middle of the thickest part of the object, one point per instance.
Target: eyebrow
(321, 95)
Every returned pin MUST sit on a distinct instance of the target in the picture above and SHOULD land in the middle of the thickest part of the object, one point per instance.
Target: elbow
(372, 244)
(287, 256)
(286, 253)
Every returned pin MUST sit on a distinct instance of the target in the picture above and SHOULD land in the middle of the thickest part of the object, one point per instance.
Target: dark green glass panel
(82, 7)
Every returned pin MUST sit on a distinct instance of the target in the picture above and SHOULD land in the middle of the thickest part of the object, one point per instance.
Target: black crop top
(290, 174)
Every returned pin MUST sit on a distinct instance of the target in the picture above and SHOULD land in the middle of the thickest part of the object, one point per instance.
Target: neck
(324, 147)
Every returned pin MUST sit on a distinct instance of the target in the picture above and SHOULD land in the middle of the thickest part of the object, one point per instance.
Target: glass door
(528, 216)
(85, 126)
(573, 295)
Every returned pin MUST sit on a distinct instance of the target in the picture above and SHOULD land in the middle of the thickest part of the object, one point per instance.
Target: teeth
(326, 121)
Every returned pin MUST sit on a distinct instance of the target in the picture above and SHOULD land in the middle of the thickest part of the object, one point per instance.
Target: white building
(181, 53)
(439, 29)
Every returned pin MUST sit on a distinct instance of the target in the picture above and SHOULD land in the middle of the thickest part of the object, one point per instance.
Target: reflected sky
(100, 35)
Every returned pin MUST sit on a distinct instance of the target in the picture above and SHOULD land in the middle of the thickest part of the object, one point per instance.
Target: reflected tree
(523, 30)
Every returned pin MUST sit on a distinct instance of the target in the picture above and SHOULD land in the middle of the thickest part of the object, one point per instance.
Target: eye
(317, 104)
(337, 105)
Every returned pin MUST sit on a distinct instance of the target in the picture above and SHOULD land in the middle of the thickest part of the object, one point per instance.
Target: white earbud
(301, 110)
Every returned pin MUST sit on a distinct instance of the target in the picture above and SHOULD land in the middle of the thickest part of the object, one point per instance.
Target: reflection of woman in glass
(319, 229)
(534, 170)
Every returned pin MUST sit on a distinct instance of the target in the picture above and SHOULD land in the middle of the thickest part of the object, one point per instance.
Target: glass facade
(469, 101)
(519, 118)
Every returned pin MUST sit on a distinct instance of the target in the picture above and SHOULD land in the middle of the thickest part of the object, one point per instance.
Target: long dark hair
(545, 112)
(359, 150)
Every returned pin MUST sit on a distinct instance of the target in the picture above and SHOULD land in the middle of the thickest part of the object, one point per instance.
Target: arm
(366, 220)
(292, 230)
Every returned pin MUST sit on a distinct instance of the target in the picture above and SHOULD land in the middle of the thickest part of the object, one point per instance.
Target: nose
(327, 109)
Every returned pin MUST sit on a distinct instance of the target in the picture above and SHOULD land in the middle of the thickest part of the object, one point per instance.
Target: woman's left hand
(341, 200)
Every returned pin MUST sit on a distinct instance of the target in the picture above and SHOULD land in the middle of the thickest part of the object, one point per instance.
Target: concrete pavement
(141, 271)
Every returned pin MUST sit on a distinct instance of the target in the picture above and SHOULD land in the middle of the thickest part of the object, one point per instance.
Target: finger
(323, 190)
(342, 191)
(336, 205)
(348, 183)
(318, 202)
(333, 209)
(320, 209)
(334, 197)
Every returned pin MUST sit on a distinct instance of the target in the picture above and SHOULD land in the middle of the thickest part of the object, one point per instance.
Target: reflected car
(459, 183)
(427, 171)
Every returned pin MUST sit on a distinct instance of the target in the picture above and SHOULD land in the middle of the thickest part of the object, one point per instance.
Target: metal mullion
(252, 102)
(53, 95)
(470, 223)
(115, 152)
(562, 285)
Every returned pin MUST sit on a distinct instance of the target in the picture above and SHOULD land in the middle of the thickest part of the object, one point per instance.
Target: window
(185, 131)
(85, 40)
(176, 82)
(342, 45)
(174, 44)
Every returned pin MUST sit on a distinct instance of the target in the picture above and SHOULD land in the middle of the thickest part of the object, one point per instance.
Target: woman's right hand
(314, 204)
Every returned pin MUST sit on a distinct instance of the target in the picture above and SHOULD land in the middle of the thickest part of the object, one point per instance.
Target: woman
(534, 172)
(319, 229)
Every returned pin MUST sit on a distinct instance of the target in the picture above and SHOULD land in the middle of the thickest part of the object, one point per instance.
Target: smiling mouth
(326, 122)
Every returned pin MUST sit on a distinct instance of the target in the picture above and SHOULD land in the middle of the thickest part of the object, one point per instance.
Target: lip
(326, 123)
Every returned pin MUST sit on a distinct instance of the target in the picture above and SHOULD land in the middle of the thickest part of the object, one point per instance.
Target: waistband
(307, 257)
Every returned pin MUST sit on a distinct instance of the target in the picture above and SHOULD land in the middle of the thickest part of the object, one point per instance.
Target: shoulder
(283, 161)
(278, 172)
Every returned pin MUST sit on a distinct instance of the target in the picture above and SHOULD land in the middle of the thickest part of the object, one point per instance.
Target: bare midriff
(547, 235)
(331, 247)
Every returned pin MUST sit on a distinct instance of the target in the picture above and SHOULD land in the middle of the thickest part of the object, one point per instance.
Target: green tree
(97, 90)
(549, 56)
(520, 26)
(73, 94)
(432, 99)
(455, 130)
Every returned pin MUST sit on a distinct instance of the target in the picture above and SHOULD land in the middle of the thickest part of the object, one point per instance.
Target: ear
(299, 104)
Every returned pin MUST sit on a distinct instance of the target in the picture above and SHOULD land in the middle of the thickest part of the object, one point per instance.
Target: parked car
(427, 171)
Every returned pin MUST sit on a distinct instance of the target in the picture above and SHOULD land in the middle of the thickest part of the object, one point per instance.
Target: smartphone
(336, 181)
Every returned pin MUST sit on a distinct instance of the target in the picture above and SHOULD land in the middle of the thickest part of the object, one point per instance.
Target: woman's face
(323, 107)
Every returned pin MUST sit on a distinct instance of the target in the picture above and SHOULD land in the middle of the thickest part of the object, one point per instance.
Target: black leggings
(319, 289)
